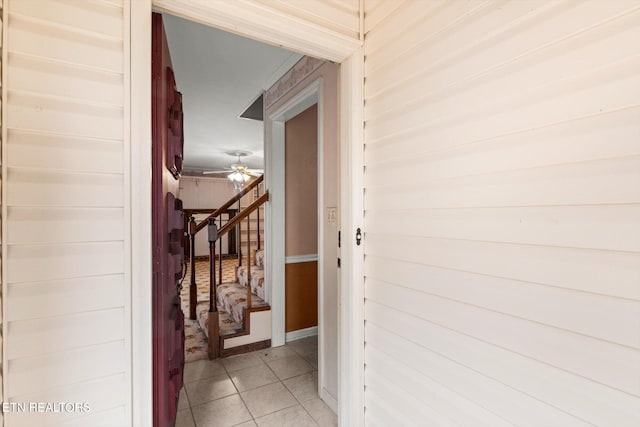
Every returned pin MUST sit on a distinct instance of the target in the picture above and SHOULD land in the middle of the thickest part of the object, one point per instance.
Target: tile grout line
(290, 391)
(239, 395)
(184, 387)
(298, 401)
(279, 380)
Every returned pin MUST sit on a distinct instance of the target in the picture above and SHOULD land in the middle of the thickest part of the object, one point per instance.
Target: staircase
(233, 314)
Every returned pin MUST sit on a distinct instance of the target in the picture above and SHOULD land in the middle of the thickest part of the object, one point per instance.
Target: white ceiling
(219, 75)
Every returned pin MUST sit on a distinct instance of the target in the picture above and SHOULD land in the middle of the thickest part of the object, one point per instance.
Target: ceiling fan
(238, 173)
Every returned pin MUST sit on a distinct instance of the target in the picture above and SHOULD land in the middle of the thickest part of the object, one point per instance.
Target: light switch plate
(331, 215)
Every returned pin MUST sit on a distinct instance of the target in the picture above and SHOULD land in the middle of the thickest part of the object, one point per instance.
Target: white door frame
(275, 214)
(289, 32)
(275, 211)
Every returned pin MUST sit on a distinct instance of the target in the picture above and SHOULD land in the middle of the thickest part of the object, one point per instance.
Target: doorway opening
(196, 195)
(304, 124)
(277, 29)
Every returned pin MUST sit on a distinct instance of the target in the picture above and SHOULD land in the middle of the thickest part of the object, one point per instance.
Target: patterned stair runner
(232, 297)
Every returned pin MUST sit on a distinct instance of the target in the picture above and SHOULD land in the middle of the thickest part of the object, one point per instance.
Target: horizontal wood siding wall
(67, 312)
(334, 24)
(502, 213)
(341, 16)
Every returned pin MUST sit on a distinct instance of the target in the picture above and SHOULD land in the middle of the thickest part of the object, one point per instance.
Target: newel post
(193, 288)
(214, 326)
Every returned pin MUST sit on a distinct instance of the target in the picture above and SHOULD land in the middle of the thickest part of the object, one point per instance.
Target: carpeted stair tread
(226, 323)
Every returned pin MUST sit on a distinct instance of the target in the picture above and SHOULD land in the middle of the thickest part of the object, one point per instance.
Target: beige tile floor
(273, 387)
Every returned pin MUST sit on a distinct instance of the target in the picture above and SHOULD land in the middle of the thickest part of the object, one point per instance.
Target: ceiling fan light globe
(236, 177)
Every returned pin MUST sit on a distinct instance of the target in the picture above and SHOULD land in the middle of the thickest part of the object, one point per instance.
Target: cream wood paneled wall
(66, 285)
(502, 213)
(207, 193)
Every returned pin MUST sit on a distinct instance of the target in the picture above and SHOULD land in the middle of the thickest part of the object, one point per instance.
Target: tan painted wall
(301, 223)
(301, 183)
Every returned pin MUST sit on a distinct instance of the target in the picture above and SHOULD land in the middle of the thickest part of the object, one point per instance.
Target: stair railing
(258, 213)
(249, 260)
(194, 228)
(230, 202)
(214, 233)
(239, 236)
(190, 224)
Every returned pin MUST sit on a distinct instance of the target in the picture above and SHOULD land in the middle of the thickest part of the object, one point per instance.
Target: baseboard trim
(245, 348)
(301, 333)
(331, 401)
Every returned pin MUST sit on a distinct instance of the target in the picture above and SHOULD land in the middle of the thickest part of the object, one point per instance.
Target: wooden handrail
(205, 210)
(243, 214)
(230, 202)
